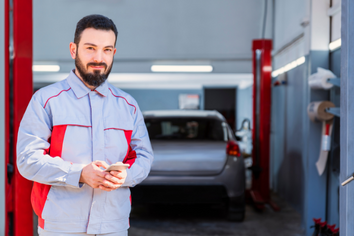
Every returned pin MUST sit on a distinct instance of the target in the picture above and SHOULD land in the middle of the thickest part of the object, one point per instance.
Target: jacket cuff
(129, 182)
(73, 176)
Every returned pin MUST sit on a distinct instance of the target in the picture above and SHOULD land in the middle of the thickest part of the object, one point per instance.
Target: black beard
(93, 79)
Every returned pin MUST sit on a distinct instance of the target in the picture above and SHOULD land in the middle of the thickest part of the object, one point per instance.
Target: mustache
(97, 64)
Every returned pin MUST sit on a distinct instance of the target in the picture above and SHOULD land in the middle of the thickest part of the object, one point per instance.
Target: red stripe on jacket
(55, 96)
(124, 99)
(40, 191)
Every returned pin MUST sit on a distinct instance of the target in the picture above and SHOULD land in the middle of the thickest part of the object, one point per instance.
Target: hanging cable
(264, 18)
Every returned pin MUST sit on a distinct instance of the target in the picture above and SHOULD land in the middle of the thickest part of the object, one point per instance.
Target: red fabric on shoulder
(40, 191)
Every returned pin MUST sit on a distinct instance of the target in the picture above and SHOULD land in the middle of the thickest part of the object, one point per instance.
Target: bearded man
(73, 130)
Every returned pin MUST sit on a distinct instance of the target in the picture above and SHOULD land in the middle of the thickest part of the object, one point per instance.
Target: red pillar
(262, 68)
(21, 89)
(8, 189)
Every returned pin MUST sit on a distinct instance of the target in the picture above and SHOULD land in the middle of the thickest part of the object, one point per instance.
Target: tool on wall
(281, 79)
(323, 111)
(317, 113)
(322, 79)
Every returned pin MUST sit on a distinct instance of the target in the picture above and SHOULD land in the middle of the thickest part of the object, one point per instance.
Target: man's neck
(78, 75)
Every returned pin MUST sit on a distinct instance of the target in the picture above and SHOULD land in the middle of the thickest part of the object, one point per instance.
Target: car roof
(183, 113)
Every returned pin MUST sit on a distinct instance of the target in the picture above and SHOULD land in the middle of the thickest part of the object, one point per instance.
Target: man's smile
(97, 67)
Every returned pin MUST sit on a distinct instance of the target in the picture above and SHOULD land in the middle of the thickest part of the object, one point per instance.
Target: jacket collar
(80, 88)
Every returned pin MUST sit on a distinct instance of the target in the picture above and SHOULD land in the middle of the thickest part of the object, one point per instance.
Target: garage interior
(217, 35)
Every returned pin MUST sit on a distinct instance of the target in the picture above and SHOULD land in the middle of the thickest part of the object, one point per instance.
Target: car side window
(231, 134)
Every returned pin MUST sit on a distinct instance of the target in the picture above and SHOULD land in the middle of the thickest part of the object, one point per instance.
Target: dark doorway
(224, 101)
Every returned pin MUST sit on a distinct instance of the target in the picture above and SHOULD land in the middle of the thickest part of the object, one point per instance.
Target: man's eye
(108, 50)
(90, 48)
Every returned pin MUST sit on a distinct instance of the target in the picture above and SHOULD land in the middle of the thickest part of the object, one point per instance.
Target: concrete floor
(208, 220)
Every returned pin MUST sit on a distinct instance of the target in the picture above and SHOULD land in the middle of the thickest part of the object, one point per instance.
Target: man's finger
(109, 184)
(116, 174)
(101, 164)
(112, 178)
(101, 173)
(105, 188)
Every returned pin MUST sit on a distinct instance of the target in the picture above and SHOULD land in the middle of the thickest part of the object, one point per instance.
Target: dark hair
(96, 22)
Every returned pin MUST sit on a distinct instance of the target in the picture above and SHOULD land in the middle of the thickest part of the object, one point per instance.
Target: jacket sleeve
(141, 150)
(32, 161)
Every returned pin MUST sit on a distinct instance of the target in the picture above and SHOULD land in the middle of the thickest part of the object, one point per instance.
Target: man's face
(94, 55)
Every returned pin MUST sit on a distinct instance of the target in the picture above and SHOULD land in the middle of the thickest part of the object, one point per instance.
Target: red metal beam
(8, 191)
(261, 121)
(22, 93)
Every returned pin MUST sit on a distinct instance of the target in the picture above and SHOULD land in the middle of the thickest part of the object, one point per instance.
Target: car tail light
(233, 149)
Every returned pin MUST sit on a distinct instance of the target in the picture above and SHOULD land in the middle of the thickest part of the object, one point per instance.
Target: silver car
(196, 160)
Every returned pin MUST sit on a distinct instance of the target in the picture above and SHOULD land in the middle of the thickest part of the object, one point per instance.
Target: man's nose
(98, 58)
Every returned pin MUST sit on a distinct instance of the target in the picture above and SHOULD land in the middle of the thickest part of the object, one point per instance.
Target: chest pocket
(72, 121)
(71, 137)
(116, 132)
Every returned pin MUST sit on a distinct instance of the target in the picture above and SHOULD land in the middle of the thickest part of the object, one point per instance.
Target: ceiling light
(300, 61)
(335, 44)
(181, 68)
(289, 66)
(46, 68)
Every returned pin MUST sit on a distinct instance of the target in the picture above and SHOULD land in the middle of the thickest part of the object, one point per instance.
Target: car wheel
(236, 208)
(236, 216)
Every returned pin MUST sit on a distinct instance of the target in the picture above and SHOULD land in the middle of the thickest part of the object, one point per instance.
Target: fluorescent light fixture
(289, 66)
(300, 61)
(181, 68)
(46, 68)
(335, 44)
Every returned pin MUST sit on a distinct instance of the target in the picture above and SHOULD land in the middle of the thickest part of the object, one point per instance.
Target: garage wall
(160, 99)
(289, 102)
(295, 141)
(287, 138)
(292, 14)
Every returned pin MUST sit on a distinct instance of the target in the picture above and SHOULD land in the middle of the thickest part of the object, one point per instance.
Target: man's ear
(114, 51)
(73, 48)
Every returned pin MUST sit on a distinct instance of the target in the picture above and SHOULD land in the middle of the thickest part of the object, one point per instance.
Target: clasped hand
(95, 177)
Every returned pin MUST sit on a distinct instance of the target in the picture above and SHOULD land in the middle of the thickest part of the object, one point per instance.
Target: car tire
(236, 216)
(236, 209)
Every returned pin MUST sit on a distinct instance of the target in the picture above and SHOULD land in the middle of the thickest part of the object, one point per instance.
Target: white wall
(336, 15)
(320, 25)
(291, 31)
(301, 26)
(289, 15)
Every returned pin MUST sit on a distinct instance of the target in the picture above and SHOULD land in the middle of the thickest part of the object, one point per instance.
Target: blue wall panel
(295, 142)
(287, 133)
(278, 118)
